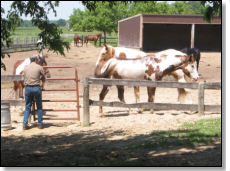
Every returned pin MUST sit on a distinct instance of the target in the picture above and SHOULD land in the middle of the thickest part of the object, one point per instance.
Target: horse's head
(106, 53)
(99, 34)
(190, 68)
(41, 61)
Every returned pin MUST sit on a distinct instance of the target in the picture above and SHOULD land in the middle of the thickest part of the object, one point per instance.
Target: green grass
(202, 131)
(27, 32)
(22, 32)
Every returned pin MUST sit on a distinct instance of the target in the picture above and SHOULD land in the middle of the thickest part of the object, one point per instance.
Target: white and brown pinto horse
(18, 70)
(107, 53)
(151, 68)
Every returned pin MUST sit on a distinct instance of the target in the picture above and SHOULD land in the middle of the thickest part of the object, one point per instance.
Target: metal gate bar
(62, 100)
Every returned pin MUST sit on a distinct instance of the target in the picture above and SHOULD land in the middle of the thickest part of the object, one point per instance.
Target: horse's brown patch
(163, 55)
(157, 60)
(116, 75)
(138, 56)
(174, 74)
(159, 74)
(122, 55)
(184, 58)
(150, 70)
(113, 51)
(186, 72)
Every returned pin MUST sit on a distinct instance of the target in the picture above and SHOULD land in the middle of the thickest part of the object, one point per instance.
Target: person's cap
(33, 57)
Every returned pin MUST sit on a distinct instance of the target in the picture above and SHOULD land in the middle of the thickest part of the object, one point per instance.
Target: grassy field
(27, 32)
(202, 131)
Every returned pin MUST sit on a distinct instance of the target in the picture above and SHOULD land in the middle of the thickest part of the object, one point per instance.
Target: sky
(64, 10)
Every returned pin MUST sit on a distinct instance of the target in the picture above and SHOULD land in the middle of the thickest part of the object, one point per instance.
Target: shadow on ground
(97, 148)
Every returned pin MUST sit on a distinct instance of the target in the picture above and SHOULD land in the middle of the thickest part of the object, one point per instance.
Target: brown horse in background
(76, 39)
(92, 37)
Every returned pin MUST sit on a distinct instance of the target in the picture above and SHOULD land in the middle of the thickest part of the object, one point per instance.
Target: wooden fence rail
(200, 107)
(104, 40)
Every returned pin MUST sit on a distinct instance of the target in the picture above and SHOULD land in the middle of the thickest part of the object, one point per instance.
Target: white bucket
(5, 115)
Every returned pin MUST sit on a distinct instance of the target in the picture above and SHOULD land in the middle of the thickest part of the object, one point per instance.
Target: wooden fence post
(86, 112)
(201, 98)
(192, 36)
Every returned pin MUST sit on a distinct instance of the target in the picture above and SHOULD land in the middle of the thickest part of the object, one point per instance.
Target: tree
(76, 19)
(213, 8)
(104, 18)
(180, 7)
(61, 22)
(50, 33)
(7, 27)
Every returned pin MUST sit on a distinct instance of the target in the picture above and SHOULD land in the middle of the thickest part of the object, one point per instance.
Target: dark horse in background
(76, 39)
(195, 52)
(92, 38)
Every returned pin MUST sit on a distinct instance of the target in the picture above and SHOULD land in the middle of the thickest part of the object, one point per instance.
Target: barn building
(158, 32)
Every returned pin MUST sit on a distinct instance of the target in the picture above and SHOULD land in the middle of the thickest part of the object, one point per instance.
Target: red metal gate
(62, 100)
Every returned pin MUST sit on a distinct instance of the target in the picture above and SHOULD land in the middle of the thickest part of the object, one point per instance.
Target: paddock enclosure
(117, 126)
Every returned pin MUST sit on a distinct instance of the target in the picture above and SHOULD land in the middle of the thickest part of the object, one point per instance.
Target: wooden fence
(20, 43)
(107, 40)
(28, 43)
(200, 107)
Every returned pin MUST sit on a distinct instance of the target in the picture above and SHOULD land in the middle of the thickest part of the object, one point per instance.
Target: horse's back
(129, 53)
(22, 65)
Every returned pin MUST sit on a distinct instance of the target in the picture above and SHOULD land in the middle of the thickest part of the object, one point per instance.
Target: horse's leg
(16, 93)
(137, 95)
(21, 90)
(120, 90)
(151, 96)
(178, 75)
(184, 95)
(102, 95)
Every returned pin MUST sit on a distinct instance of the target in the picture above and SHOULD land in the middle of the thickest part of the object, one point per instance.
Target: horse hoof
(140, 110)
(152, 111)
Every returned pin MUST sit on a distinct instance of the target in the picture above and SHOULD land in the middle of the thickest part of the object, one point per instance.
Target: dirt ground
(112, 140)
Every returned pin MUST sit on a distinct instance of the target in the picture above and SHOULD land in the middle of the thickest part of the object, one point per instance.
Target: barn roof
(173, 19)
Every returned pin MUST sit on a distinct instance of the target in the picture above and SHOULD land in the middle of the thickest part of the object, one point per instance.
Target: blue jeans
(30, 93)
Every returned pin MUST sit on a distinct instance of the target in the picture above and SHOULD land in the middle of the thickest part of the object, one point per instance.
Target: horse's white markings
(21, 67)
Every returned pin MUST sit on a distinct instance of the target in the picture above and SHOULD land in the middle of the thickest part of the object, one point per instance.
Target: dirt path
(111, 140)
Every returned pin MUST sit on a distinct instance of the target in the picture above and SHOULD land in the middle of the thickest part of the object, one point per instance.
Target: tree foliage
(38, 10)
(213, 8)
(104, 18)
(104, 15)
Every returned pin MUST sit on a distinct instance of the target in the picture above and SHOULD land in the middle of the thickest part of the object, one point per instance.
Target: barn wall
(129, 33)
(208, 37)
(163, 36)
